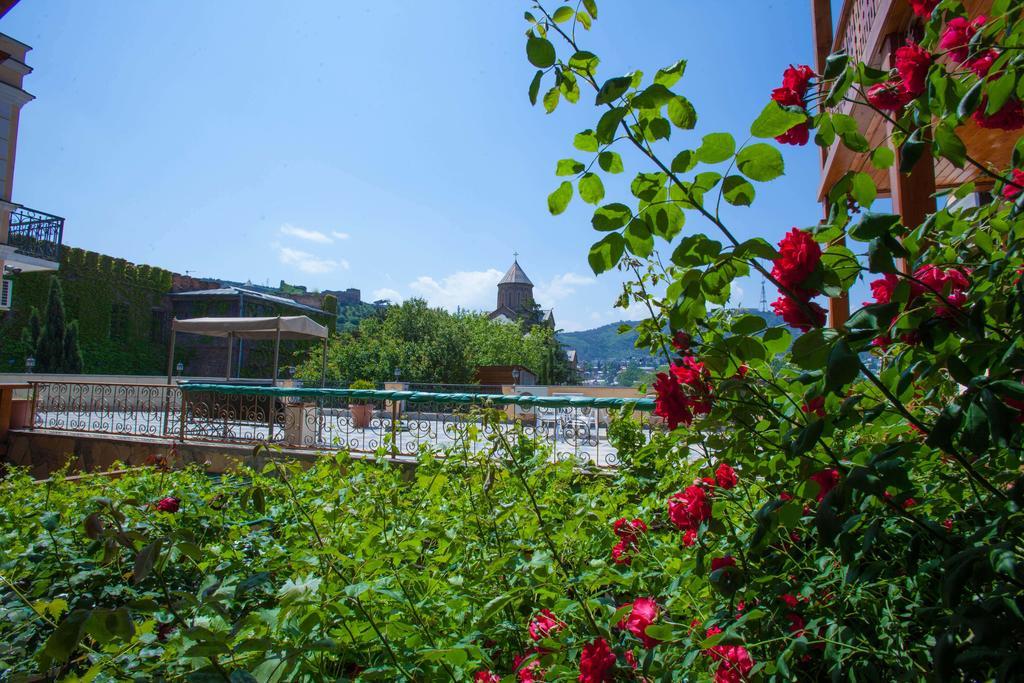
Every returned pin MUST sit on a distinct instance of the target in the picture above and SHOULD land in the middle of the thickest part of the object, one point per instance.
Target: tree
(50, 344)
(72, 359)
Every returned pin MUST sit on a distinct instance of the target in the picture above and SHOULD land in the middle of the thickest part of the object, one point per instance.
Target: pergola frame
(276, 328)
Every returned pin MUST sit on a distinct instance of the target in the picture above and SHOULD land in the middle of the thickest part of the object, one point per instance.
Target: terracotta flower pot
(362, 413)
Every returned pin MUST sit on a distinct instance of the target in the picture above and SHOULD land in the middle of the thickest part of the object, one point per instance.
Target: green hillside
(605, 344)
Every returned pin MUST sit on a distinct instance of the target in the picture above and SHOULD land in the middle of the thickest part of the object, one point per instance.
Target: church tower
(515, 290)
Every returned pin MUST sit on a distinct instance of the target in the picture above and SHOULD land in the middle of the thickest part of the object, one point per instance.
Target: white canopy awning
(283, 327)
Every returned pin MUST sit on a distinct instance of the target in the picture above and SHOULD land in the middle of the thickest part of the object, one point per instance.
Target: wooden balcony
(870, 30)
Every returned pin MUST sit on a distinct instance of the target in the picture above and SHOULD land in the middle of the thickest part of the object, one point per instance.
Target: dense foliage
(806, 514)
(432, 346)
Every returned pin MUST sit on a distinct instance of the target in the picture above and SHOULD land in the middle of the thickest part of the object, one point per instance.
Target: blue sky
(385, 146)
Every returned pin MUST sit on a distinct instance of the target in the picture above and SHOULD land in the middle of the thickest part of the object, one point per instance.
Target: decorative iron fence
(34, 233)
(364, 421)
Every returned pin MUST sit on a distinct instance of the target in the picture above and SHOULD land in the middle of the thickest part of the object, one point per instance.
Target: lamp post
(180, 367)
(398, 374)
(516, 375)
(30, 364)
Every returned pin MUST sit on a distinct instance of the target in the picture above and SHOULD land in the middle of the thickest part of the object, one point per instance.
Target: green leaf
(911, 151)
(540, 52)
(584, 61)
(999, 91)
(638, 237)
(835, 64)
(591, 7)
(737, 191)
(774, 121)
(50, 520)
(716, 148)
(610, 162)
(777, 340)
(883, 157)
(748, 324)
(950, 145)
(646, 186)
(591, 188)
(585, 141)
(568, 167)
(605, 253)
(681, 113)
(684, 161)
(760, 162)
(665, 220)
(862, 189)
(654, 96)
(535, 86)
(551, 100)
(144, 561)
(756, 246)
(608, 123)
(874, 225)
(842, 368)
(584, 19)
(811, 350)
(969, 102)
(611, 217)
(65, 638)
(613, 89)
(562, 14)
(843, 263)
(559, 199)
(670, 75)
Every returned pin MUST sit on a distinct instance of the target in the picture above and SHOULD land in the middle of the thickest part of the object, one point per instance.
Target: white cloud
(308, 263)
(474, 289)
(304, 234)
(386, 293)
(560, 287)
(340, 235)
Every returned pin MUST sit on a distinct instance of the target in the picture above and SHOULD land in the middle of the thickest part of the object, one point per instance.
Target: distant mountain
(604, 344)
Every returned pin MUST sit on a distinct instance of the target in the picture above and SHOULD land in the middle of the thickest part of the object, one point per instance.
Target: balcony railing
(37, 234)
(853, 31)
(395, 423)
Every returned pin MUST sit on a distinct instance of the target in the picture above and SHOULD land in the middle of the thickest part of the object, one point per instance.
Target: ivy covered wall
(120, 308)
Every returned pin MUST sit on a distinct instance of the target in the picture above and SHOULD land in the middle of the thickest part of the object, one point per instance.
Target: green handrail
(644, 404)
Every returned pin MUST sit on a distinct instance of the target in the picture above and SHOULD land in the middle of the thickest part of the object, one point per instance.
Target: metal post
(277, 348)
(170, 378)
(323, 367)
(231, 342)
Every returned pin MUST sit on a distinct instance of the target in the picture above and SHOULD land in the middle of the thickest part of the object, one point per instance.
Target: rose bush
(842, 504)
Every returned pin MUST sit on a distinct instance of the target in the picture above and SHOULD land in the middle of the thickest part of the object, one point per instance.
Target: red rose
(799, 256)
(596, 662)
(168, 504)
(797, 624)
(632, 660)
(734, 661)
(791, 600)
(948, 524)
(531, 671)
(642, 615)
(486, 676)
(544, 625)
(923, 8)
(670, 402)
(912, 63)
(826, 480)
(888, 96)
(982, 64)
(797, 135)
(883, 288)
(816, 405)
(689, 508)
(722, 562)
(681, 341)
(1009, 117)
(622, 553)
(957, 36)
(1011, 192)
(725, 476)
(624, 528)
(795, 315)
(689, 537)
(797, 78)
(692, 374)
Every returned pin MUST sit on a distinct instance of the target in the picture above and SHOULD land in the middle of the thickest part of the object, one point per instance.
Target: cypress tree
(50, 346)
(72, 351)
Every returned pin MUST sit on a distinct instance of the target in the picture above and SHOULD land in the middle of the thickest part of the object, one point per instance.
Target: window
(119, 322)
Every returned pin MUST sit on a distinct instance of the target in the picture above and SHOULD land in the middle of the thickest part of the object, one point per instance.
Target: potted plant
(361, 412)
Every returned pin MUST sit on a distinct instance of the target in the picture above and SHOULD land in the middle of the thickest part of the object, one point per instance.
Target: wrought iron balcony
(37, 234)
